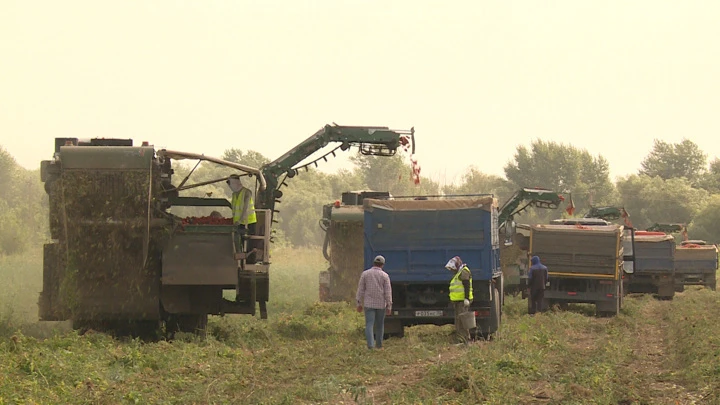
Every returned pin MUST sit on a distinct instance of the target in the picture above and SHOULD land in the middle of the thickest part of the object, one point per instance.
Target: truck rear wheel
(607, 308)
(493, 323)
(711, 282)
(666, 292)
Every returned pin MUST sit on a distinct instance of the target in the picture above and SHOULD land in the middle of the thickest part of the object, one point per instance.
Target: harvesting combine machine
(121, 261)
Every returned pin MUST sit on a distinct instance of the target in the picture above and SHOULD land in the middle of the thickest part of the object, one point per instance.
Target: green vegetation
(310, 352)
(23, 206)
(675, 183)
(22, 278)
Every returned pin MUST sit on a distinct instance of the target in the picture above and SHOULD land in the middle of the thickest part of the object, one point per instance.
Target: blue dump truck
(417, 237)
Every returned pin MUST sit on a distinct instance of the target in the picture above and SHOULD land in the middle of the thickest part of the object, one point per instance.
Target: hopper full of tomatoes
(209, 220)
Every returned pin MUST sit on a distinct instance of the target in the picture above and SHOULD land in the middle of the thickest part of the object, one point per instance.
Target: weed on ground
(307, 352)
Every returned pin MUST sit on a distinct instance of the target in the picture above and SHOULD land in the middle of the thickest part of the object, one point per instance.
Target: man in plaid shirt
(375, 295)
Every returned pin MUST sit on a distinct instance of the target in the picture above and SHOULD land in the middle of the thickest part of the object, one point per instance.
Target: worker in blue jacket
(537, 281)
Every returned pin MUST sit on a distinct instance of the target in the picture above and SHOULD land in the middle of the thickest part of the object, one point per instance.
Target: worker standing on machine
(243, 207)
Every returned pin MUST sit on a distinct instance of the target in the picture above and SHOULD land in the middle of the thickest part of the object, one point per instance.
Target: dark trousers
(462, 333)
(536, 301)
(240, 239)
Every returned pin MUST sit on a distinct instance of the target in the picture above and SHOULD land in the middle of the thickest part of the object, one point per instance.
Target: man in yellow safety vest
(243, 207)
(461, 294)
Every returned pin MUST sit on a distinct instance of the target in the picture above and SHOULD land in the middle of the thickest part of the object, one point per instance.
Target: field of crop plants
(655, 352)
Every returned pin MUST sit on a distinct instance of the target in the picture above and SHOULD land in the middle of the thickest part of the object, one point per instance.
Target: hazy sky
(475, 78)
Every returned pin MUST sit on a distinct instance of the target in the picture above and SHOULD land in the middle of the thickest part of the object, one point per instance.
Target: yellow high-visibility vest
(457, 291)
(237, 207)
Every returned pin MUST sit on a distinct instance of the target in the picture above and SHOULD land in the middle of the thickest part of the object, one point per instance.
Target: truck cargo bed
(654, 254)
(578, 251)
(693, 259)
(418, 237)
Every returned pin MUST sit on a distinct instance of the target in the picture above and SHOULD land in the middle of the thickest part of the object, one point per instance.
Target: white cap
(379, 259)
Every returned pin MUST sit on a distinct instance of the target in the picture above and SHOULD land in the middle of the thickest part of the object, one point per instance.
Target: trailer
(585, 263)
(417, 237)
(654, 268)
(696, 263)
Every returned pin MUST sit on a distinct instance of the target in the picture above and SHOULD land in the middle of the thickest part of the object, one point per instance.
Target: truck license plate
(428, 313)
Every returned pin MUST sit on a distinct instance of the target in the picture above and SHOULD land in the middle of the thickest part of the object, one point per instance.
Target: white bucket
(467, 319)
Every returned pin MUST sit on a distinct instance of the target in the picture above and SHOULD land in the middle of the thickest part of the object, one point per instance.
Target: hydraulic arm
(610, 213)
(533, 197)
(669, 228)
(375, 141)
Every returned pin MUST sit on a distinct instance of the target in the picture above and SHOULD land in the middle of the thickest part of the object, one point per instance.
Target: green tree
(343, 181)
(668, 160)
(14, 236)
(476, 182)
(705, 224)
(711, 178)
(301, 207)
(650, 200)
(23, 206)
(8, 167)
(392, 174)
(563, 168)
(249, 158)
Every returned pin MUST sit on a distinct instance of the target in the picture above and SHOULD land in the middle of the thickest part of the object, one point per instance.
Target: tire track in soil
(649, 351)
(404, 375)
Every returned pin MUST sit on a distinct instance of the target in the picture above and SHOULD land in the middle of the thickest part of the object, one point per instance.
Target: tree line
(676, 183)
